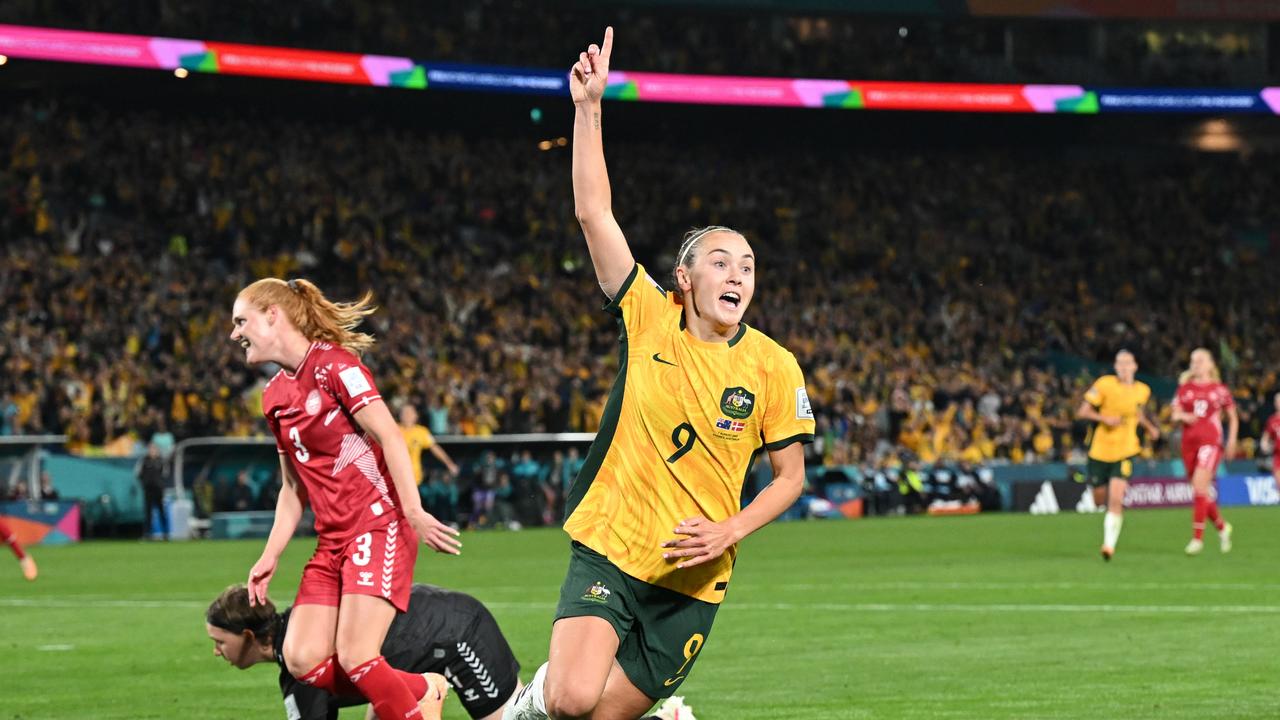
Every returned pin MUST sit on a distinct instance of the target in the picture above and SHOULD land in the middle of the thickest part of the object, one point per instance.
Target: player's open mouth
(244, 343)
(732, 299)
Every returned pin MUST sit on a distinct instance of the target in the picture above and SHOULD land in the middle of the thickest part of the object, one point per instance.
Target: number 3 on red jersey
(301, 452)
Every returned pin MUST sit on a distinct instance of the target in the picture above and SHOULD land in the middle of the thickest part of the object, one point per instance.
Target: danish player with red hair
(1199, 405)
(341, 452)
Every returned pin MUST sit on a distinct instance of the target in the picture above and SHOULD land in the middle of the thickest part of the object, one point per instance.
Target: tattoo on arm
(596, 118)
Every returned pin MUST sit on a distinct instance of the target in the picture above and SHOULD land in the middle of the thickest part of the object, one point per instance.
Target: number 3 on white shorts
(363, 545)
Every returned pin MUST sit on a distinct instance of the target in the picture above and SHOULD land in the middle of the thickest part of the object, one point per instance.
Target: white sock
(530, 702)
(1111, 525)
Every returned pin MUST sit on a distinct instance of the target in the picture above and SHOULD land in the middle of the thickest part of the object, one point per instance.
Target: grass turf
(998, 616)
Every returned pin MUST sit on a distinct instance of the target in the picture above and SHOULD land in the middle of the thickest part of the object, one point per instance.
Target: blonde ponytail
(1187, 375)
(315, 316)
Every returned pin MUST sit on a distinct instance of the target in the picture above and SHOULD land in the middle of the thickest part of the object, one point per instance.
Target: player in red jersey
(1271, 441)
(1199, 404)
(10, 538)
(341, 452)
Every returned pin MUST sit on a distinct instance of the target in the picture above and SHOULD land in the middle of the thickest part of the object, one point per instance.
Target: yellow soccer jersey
(418, 438)
(681, 429)
(1112, 397)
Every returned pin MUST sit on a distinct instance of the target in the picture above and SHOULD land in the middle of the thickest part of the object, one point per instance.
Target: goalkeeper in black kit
(444, 632)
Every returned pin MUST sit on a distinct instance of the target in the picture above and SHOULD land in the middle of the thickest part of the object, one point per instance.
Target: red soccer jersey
(1273, 431)
(1206, 401)
(311, 413)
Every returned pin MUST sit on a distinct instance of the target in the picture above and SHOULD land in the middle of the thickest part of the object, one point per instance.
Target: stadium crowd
(927, 297)
(692, 39)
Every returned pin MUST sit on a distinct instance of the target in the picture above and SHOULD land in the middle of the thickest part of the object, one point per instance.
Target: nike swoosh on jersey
(664, 362)
(332, 414)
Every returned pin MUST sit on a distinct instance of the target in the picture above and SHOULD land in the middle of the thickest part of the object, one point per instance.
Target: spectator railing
(26, 448)
(541, 439)
(467, 448)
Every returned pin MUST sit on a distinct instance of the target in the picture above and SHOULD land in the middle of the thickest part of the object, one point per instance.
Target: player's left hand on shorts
(435, 534)
(705, 541)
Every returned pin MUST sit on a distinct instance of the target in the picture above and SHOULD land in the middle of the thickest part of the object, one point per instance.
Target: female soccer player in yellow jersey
(655, 513)
(1116, 403)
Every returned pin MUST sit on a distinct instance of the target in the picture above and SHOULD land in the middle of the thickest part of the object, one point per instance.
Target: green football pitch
(998, 616)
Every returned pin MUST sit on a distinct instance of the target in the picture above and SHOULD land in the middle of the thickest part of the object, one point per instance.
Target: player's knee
(353, 655)
(301, 660)
(565, 701)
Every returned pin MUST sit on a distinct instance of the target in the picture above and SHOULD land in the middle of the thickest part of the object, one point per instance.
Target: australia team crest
(737, 403)
(597, 593)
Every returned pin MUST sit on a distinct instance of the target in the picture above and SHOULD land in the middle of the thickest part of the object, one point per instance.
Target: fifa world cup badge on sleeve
(355, 381)
(804, 411)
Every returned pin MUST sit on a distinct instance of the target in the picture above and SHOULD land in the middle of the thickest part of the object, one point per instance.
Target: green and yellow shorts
(1099, 473)
(660, 631)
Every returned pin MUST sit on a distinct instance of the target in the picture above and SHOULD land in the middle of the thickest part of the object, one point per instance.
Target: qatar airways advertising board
(1049, 497)
(1232, 490)
(1158, 492)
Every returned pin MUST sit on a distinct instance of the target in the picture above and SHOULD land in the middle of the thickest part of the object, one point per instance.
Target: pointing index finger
(607, 46)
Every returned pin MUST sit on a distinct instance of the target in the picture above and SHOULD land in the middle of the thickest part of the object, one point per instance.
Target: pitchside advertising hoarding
(43, 522)
(185, 56)
(1050, 497)
(1248, 490)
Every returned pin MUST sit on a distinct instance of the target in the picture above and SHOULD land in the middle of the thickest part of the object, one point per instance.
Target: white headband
(694, 240)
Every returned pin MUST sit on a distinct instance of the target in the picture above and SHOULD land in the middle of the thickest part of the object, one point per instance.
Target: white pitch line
(1066, 585)
(1013, 607)
(68, 602)
(927, 585)
(924, 585)
(831, 607)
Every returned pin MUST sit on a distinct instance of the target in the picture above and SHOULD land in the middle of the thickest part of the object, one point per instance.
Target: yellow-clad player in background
(1117, 404)
(655, 514)
(418, 438)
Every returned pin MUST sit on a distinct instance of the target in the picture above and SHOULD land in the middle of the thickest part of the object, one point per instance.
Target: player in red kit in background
(341, 452)
(1271, 441)
(10, 538)
(1199, 404)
